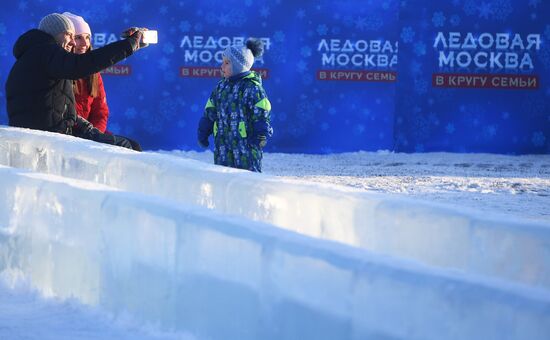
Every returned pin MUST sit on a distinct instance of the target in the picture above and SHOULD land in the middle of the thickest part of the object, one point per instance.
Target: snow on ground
(516, 186)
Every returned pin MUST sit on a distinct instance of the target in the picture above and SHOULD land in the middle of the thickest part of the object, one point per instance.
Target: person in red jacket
(89, 92)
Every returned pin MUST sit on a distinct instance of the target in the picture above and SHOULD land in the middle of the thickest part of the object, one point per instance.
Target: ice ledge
(429, 233)
(189, 268)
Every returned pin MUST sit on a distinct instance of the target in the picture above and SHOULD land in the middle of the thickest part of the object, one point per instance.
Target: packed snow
(515, 186)
(98, 242)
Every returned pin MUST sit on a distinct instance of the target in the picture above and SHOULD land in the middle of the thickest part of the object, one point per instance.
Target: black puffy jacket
(39, 91)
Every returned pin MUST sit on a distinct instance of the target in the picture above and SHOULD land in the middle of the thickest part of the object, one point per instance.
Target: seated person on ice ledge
(89, 92)
(39, 88)
(238, 111)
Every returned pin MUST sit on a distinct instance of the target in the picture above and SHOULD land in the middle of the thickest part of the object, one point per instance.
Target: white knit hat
(241, 58)
(55, 23)
(80, 26)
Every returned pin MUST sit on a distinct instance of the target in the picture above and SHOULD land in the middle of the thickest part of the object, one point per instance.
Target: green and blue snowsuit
(238, 115)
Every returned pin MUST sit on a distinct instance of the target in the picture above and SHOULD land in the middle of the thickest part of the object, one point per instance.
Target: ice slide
(230, 254)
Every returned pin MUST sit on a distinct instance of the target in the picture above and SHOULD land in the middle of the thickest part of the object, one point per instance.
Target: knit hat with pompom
(242, 57)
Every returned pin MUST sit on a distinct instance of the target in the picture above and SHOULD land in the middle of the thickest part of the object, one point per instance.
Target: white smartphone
(150, 37)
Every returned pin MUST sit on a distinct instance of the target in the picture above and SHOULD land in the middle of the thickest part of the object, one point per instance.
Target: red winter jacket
(95, 110)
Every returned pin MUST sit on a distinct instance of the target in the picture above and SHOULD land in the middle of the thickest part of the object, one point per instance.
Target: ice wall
(219, 277)
(515, 251)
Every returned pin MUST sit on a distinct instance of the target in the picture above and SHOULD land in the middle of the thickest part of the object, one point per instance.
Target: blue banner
(474, 76)
(408, 76)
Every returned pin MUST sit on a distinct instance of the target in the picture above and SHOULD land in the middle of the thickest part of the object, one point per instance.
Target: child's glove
(203, 143)
(204, 131)
(262, 141)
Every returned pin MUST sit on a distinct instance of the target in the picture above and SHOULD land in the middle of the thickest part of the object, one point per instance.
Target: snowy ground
(513, 186)
(516, 186)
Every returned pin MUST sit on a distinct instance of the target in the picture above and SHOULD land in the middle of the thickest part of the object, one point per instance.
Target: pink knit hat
(80, 26)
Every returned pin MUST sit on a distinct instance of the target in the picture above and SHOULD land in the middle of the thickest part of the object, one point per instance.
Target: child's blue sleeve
(206, 123)
(261, 112)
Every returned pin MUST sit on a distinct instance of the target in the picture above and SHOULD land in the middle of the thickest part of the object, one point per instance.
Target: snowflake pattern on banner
(438, 19)
(184, 26)
(341, 105)
(499, 10)
(371, 22)
(97, 14)
(473, 120)
(455, 20)
(159, 107)
(407, 34)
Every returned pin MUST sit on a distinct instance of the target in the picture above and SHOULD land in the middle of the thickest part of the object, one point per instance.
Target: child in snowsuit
(238, 111)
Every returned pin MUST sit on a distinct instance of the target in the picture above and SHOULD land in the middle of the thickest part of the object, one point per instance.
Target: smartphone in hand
(150, 37)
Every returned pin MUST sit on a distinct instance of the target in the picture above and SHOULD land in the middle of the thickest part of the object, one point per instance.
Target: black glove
(262, 141)
(204, 131)
(85, 129)
(203, 143)
(134, 144)
(135, 36)
(105, 138)
(67, 123)
(128, 32)
(68, 126)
